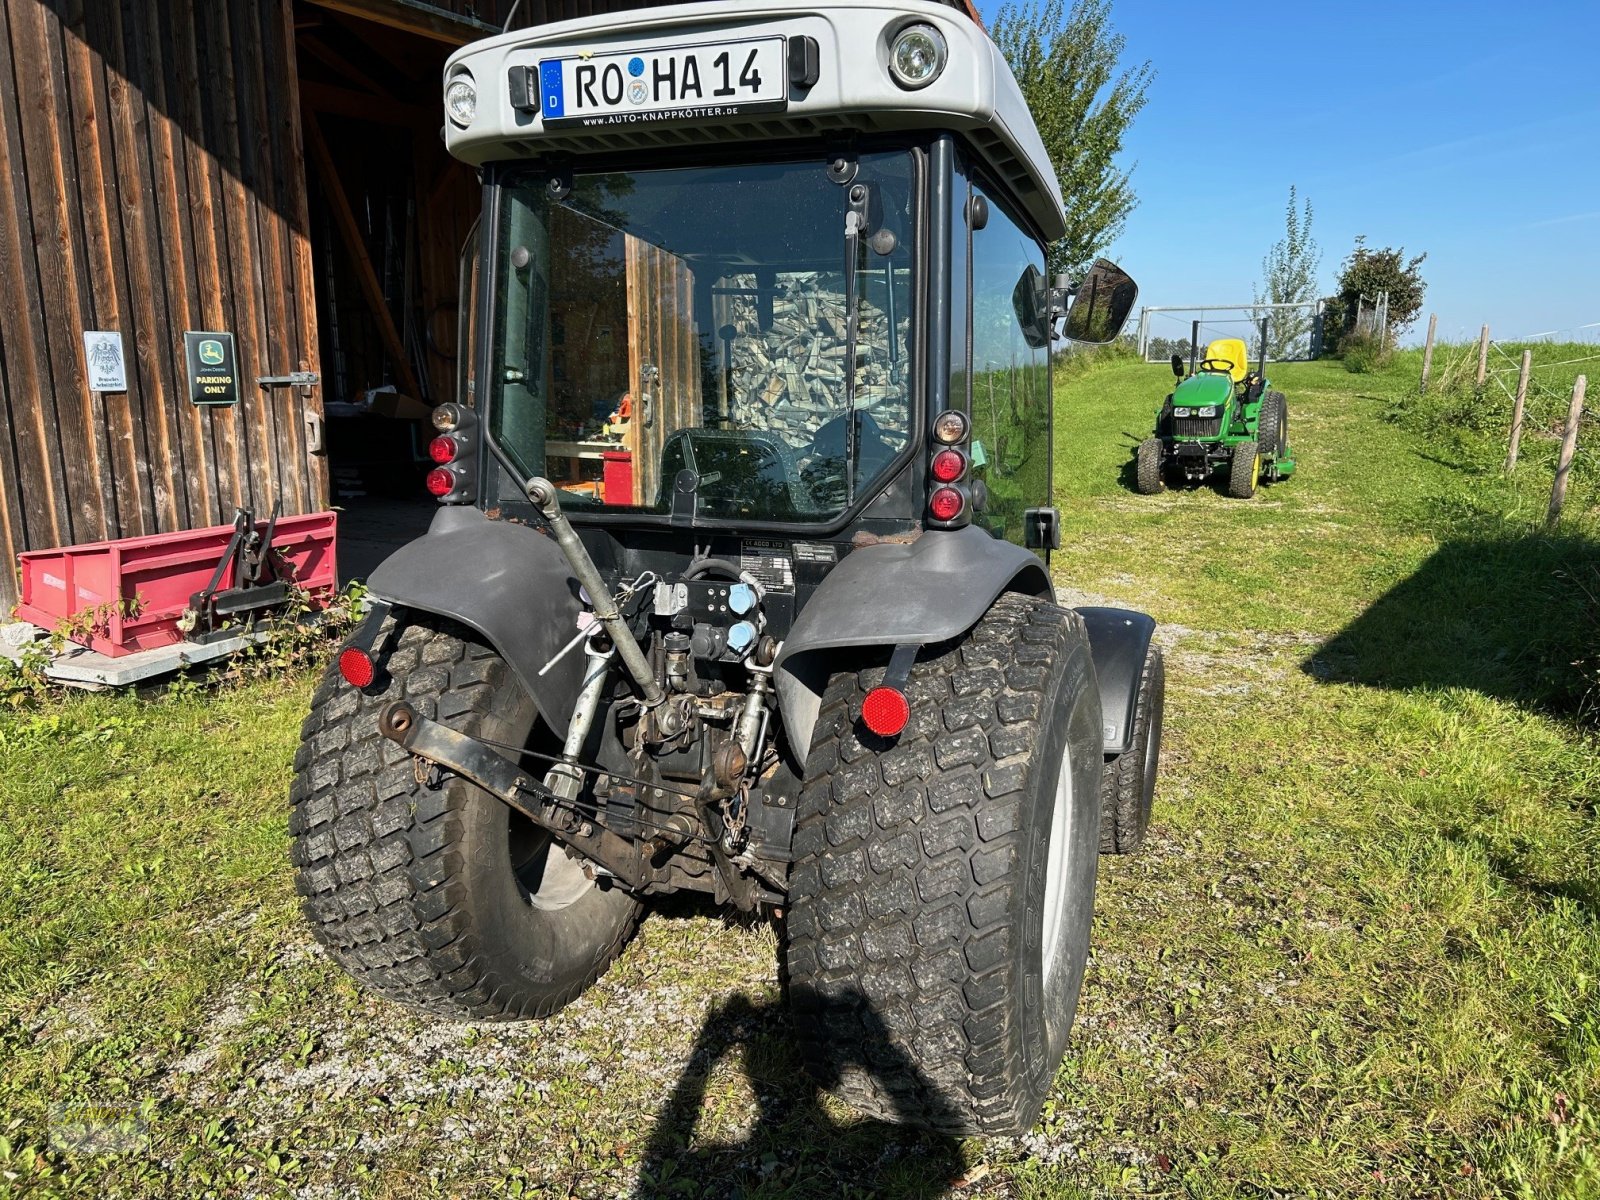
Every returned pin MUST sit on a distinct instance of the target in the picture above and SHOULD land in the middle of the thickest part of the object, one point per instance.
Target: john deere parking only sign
(213, 378)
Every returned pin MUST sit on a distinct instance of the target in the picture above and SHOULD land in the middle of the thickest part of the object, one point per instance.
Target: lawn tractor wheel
(443, 899)
(943, 882)
(1148, 467)
(1244, 472)
(1128, 781)
(1272, 431)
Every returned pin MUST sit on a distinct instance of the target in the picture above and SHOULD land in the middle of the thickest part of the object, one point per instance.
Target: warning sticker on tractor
(769, 562)
(815, 552)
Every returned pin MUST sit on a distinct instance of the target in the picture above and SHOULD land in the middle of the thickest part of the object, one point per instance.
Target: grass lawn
(1357, 958)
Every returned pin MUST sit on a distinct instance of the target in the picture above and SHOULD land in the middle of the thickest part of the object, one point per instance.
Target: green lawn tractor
(1222, 416)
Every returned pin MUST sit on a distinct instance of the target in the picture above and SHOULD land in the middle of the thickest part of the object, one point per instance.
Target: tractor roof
(976, 96)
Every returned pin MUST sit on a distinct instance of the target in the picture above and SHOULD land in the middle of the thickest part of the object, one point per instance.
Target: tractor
(739, 582)
(1221, 416)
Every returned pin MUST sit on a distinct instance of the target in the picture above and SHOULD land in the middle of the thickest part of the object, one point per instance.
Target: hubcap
(1056, 859)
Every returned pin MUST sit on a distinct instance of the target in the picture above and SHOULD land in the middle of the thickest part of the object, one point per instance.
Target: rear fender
(507, 582)
(1119, 638)
(891, 594)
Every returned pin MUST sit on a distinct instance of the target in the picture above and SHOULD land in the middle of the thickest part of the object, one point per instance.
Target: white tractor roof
(976, 96)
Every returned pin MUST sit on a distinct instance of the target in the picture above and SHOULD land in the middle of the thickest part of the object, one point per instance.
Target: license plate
(718, 79)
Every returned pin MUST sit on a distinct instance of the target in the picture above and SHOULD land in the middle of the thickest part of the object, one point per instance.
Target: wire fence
(1294, 331)
(1541, 388)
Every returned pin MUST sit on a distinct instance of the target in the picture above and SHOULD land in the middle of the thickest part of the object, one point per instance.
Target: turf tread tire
(900, 923)
(1272, 430)
(1147, 467)
(382, 862)
(1242, 471)
(1127, 784)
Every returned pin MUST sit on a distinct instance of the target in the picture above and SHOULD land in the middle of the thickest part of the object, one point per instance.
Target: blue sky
(1469, 130)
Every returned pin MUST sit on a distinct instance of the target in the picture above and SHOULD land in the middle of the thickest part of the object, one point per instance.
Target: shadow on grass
(793, 1148)
(1513, 618)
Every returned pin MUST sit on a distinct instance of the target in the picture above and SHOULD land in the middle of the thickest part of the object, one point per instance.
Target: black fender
(1119, 638)
(508, 582)
(892, 594)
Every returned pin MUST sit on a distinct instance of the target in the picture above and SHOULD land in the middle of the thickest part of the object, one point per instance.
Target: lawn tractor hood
(751, 73)
(1203, 391)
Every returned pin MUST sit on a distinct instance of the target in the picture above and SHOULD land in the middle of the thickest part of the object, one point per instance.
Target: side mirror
(1177, 365)
(1100, 309)
(1030, 301)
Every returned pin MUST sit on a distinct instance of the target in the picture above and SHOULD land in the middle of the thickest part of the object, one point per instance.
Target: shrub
(1364, 353)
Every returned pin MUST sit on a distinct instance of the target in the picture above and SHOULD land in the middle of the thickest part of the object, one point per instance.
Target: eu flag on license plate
(551, 89)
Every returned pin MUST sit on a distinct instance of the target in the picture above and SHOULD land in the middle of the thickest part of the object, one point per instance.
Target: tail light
(949, 466)
(947, 504)
(454, 480)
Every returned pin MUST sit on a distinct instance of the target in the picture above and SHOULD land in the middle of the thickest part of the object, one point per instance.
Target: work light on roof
(917, 55)
(461, 100)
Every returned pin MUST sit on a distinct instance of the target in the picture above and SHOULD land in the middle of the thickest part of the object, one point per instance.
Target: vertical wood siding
(152, 180)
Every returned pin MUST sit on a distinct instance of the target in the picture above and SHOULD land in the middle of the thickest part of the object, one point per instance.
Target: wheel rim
(546, 876)
(1057, 856)
(1255, 472)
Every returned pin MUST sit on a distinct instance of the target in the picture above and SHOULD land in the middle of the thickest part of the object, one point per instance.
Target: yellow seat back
(1233, 351)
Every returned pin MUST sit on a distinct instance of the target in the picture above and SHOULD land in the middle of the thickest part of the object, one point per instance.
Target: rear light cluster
(454, 478)
(948, 502)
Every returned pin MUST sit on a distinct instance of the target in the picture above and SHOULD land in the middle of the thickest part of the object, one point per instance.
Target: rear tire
(944, 880)
(1128, 781)
(444, 900)
(1147, 473)
(1244, 470)
(1272, 431)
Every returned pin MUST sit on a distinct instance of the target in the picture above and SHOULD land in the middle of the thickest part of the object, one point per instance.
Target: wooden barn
(184, 178)
(269, 169)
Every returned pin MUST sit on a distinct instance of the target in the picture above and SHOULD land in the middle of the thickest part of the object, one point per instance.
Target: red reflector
(945, 504)
(442, 449)
(885, 711)
(357, 668)
(948, 466)
(440, 482)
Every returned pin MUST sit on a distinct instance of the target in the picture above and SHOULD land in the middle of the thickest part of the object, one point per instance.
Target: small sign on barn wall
(102, 351)
(213, 378)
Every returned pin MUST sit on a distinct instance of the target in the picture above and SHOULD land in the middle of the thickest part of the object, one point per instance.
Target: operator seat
(873, 450)
(1233, 350)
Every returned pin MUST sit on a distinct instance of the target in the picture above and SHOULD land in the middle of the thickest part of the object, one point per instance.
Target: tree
(1290, 268)
(1066, 62)
(1366, 273)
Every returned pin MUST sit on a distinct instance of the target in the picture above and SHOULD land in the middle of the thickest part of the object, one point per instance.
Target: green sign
(213, 375)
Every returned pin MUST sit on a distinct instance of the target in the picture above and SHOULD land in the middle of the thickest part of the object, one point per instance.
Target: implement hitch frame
(456, 752)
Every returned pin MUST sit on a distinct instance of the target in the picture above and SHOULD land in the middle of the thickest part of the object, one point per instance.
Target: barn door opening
(389, 213)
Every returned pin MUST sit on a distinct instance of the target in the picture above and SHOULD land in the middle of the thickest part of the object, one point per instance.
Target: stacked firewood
(788, 380)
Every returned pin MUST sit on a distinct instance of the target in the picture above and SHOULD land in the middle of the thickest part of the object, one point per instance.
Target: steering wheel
(826, 482)
(1222, 366)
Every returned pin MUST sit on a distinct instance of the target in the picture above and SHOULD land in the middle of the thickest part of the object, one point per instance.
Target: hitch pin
(587, 624)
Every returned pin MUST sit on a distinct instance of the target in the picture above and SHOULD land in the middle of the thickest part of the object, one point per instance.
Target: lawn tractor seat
(1233, 352)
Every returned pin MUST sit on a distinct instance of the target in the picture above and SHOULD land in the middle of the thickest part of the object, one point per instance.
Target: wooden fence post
(1427, 351)
(1569, 447)
(1483, 356)
(1517, 407)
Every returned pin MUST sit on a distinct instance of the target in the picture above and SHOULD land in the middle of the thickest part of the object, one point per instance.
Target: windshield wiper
(861, 218)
